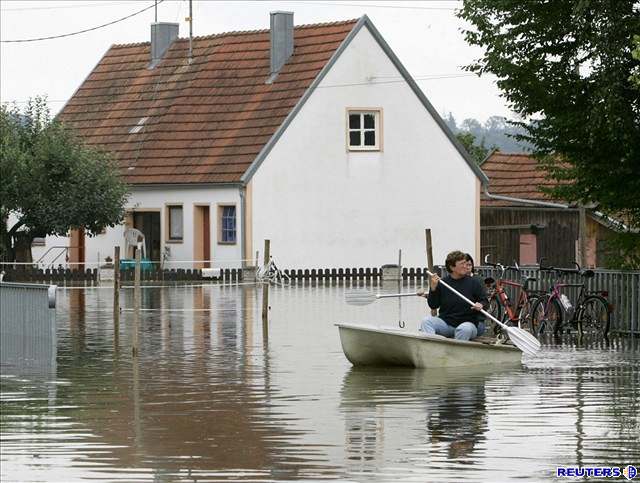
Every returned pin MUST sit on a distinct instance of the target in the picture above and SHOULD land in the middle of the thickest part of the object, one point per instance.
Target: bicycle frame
(556, 293)
(523, 298)
(513, 312)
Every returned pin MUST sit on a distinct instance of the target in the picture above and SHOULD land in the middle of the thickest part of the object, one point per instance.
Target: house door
(202, 236)
(148, 222)
(76, 249)
(528, 249)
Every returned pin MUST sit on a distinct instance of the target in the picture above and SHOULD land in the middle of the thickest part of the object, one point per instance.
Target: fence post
(116, 284)
(136, 301)
(265, 286)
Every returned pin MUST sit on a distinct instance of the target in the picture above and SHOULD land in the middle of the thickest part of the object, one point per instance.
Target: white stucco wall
(141, 199)
(322, 206)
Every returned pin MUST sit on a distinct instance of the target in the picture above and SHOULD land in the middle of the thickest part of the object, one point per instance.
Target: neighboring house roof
(216, 119)
(517, 176)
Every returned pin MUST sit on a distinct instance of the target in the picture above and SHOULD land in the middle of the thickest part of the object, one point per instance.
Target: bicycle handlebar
(503, 268)
(578, 270)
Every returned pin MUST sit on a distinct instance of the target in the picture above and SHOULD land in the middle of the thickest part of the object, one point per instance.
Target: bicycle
(499, 304)
(272, 274)
(590, 315)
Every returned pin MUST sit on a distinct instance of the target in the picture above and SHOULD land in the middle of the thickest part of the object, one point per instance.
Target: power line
(365, 5)
(396, 80)
(81, 31)
(400, 80)
(60, 7)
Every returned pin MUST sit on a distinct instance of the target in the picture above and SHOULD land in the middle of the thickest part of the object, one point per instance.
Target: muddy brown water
(216, 396)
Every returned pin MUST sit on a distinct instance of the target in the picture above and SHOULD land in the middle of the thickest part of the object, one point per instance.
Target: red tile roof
(517, 176)
(207, 120)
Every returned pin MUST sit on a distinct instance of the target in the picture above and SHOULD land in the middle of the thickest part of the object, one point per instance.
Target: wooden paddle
(359, 297)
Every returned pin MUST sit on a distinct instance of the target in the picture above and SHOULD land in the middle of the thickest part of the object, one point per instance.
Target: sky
(425, 35)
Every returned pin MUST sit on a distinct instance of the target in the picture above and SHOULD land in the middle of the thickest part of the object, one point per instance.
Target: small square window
(175, 223)
(364, 130)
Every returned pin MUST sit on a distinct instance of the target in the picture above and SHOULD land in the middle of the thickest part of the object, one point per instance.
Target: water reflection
(211, 398)
(450, 403)
(458, 420)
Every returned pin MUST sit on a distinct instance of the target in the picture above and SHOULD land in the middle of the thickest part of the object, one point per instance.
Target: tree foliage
(478, 151)
(566, 67)
(51, 182)
(495, 132)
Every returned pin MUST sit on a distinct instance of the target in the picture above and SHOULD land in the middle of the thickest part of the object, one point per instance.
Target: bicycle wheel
(495, 308)
(594, 317)
(546, 316)
(524, 315)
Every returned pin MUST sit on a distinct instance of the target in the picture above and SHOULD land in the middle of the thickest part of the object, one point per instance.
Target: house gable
(362, 23)
(346, 207)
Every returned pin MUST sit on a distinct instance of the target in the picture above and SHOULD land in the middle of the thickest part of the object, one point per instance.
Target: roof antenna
(190, 19)
(156, 10)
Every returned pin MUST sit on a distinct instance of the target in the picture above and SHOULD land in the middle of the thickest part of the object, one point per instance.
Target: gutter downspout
(546, 204)
(243, 224)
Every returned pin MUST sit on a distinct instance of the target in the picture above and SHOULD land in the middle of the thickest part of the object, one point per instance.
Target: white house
(315, 137)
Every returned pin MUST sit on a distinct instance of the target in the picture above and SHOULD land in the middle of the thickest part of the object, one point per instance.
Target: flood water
(213, 396)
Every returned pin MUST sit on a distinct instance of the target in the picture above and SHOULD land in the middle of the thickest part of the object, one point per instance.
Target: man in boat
(456, 319)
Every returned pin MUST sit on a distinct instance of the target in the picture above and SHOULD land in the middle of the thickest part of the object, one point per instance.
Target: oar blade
(523, 340)
(359, 297)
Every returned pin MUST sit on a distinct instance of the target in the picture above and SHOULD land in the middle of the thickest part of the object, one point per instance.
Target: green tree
(635, 76)
(566, 68)
(477, 151)
(51, 182)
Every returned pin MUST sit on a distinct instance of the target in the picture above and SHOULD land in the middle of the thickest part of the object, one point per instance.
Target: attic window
(364, 130)
(138, 127)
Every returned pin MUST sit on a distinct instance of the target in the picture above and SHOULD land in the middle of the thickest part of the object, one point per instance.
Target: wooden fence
(622, 287)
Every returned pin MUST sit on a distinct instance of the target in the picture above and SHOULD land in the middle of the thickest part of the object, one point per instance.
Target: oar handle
(405, 294)
(482, 311)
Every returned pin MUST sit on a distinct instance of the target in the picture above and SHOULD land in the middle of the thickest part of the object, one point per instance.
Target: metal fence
(28, 327)
(622, 287)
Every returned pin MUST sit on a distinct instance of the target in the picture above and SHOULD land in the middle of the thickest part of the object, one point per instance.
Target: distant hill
(494, 133)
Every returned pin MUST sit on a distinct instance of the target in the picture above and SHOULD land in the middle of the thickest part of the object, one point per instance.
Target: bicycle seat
(587, 273)
(489, 281)
(526, 280)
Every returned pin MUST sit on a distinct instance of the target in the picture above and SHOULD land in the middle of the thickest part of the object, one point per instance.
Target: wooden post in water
(136, 301)
(116, 282)
(116, 294)
(265, 285)
(427, 235)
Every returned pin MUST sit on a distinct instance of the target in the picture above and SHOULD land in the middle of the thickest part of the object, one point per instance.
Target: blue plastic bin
(146, 265)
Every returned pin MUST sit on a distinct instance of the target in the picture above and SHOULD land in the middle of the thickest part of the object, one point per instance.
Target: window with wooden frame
(227, 224)
(175, 223)
(364, 129)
